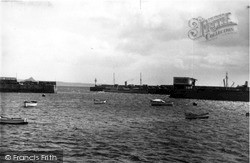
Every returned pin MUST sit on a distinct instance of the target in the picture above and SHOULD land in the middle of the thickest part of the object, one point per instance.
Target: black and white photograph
(124, 81)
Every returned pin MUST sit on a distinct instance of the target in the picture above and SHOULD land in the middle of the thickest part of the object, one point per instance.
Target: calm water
(127, 128)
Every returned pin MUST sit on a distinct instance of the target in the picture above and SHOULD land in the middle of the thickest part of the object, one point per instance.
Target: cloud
(239, 14)
(219, 56)
(141, 34)
(92, 39)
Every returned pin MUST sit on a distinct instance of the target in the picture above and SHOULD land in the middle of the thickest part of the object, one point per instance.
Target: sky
(80, 40)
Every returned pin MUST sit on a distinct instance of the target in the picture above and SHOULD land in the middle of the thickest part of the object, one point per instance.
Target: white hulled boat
(160, 102)
(97, 101)
(30, 103)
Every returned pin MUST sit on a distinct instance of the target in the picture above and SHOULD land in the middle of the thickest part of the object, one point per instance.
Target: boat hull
(196, 116)
(166, 104)
(102, 102)
(30, 105)
(98, 101)
(212, 94)
(14, 121)
(159, 102)
(127, 91)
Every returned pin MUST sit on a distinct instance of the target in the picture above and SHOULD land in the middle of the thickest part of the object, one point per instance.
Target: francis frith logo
(211, 28)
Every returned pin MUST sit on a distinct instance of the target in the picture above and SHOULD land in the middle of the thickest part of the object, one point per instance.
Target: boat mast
(140, 79)
(226, 79)
(95, 81)
(114, 78)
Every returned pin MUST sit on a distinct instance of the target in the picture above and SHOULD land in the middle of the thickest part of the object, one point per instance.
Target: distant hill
(30, 79)
(68, 84)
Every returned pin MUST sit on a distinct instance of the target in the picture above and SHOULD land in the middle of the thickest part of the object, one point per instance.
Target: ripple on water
(127, 128)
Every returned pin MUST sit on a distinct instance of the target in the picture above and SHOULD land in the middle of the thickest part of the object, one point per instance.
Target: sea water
(126, 128)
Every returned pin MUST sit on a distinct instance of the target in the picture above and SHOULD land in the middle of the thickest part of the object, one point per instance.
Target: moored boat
(6, 120)
(184, 87)
(160, 102)
(96, 101)
(195, 104)
(196, 116)
(30, 103)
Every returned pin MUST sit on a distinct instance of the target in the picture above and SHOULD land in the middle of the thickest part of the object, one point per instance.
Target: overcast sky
(80, 40)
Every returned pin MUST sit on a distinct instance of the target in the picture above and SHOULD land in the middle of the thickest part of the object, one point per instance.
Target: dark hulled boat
(184, 87)
(197, 116)
(16, 121)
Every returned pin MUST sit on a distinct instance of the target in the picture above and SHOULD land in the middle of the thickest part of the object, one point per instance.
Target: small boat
(196, 116)
(247, 114)
(99, 101)
(30, 103)
(195, 104)
(43, 95)
(6, 120)
(160, 102)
